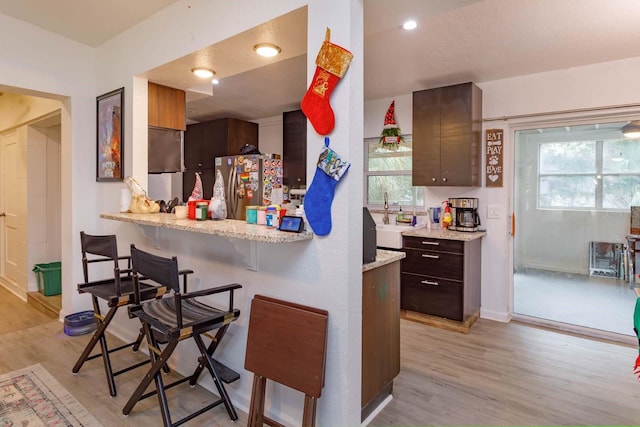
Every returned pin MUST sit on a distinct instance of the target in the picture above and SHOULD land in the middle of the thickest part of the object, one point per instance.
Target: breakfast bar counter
(235, 229)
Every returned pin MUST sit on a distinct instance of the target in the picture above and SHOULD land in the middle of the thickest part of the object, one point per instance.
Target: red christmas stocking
(332, 63)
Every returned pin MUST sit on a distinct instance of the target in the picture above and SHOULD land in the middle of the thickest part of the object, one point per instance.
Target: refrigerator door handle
(230, 194)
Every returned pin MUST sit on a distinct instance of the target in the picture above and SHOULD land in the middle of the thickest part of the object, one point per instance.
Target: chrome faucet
(385, 218)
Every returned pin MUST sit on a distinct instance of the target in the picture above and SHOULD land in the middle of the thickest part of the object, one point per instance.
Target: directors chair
(116, 291)
(174, 318)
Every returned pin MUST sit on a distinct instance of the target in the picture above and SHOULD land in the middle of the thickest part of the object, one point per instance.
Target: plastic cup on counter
(181, 212)
(262, 216)
(252, 214)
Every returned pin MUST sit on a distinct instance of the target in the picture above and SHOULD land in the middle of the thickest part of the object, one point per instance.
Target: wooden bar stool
(286, 343)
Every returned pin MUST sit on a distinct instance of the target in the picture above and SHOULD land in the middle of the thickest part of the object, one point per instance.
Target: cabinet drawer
(435, 264)
(427, 295)
(427, 243)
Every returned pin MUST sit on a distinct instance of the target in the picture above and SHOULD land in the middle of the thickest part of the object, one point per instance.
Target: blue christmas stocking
(317, 202)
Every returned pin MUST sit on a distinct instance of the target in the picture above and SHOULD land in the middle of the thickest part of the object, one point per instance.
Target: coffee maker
(464, 211)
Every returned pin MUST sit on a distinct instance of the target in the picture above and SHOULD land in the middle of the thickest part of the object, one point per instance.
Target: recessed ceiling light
(267, 49)
(203, 73)
(215, 81)
(410, 25)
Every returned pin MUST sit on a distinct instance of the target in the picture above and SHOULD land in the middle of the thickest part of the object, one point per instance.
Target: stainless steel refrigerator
(250, 180)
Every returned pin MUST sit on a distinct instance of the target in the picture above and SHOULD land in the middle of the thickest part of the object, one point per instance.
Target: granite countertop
(445, 234)
(383, 257)
(232, 228)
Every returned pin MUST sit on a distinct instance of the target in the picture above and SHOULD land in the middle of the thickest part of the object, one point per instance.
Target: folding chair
(115, 291)
(175, 318)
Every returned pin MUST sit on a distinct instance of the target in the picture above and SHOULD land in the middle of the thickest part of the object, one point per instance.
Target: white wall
(270, 135)
(46, 65)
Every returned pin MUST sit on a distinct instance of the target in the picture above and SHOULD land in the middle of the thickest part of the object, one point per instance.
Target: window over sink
(389, 170)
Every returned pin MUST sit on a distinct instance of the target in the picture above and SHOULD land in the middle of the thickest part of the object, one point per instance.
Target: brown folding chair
(172, 319)
(116, 291)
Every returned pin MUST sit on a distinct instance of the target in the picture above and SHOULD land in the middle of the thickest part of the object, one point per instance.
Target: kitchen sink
(390, 235)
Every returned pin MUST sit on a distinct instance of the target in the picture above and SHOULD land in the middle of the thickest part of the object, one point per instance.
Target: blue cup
(435, 214)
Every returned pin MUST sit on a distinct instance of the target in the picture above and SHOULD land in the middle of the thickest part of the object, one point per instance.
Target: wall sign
(494, 155)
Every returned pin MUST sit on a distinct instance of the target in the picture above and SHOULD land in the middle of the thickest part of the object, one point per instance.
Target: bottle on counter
(300, 213)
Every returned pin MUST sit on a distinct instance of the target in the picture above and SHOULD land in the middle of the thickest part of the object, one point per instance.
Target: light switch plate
(494, 212)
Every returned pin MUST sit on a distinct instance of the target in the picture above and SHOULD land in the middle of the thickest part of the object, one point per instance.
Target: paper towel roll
(125, 200)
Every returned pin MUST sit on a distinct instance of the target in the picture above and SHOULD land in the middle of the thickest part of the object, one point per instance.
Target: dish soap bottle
(400, 216)
(446, 216)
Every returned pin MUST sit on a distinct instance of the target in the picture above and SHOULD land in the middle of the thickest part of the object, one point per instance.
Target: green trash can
(49, 277)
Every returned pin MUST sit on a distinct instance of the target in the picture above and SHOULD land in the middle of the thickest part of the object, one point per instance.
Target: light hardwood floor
(27, 337)
(499, 374)
(511, 374)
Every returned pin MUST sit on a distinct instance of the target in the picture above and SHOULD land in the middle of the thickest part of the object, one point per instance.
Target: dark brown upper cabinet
(166, 107)
(224, 137)
(447, 124)
(294, 148)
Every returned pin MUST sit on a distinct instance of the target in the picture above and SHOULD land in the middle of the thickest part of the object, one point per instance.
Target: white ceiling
(456, 41)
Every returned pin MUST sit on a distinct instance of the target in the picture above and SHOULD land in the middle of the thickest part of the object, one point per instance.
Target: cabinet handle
(431, 243)
(430, 256)
(199, 165)
(427, 282)
(433, 179)
(444, 179)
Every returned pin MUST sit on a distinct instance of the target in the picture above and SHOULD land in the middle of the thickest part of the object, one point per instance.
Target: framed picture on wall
(110, 136)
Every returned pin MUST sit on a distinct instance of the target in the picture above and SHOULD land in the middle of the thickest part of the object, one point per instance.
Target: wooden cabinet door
(166, 107)
(294, 148)
(203, 142)
(239, 133)
(459, 145)
(380, 329)
(426, 137)
(447, 123)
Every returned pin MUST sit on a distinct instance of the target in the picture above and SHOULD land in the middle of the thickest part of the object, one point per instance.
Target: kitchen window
(390, 171)
(589, 173)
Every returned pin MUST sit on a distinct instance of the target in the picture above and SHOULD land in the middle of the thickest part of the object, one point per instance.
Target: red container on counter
(191, 208)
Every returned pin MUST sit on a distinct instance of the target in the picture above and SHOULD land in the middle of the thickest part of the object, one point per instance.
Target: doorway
(30, 189)
(574, 185)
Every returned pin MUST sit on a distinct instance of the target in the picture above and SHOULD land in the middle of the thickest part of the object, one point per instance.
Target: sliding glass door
(574, 187)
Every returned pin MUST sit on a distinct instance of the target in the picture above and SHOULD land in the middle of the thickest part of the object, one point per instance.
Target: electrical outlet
(493, 212)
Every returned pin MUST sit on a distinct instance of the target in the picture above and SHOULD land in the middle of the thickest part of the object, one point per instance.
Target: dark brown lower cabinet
(441, 277)
(380, 334)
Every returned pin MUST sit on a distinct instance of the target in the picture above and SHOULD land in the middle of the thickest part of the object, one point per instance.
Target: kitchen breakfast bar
(264, 261)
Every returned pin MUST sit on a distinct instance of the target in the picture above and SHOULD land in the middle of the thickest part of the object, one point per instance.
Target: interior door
(9, 205)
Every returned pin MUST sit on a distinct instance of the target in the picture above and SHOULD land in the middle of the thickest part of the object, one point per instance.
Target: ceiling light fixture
(631, 130)
(203, 73)
(410, 25)
(267, 49)
(215, 81)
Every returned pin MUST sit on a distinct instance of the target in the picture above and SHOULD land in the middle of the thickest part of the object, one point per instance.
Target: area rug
(31, 397)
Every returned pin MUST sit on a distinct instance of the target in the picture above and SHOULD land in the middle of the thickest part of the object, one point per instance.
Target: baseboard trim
(577, 330)
(498, 316)
(377, 410)
(14, 289)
